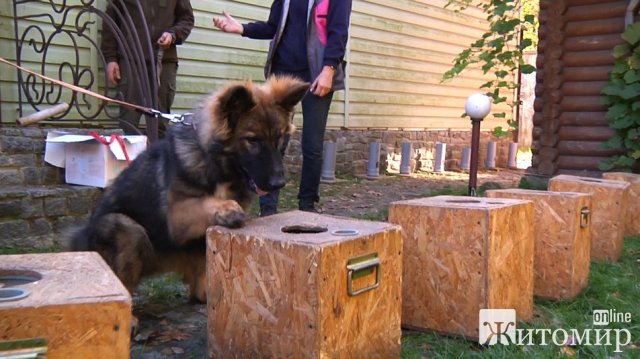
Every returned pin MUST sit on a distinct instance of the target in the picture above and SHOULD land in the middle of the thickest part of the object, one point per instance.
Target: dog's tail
(122, 242)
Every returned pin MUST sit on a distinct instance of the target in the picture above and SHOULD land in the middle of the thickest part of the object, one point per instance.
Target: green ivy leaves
(622, 96)
(498, 51)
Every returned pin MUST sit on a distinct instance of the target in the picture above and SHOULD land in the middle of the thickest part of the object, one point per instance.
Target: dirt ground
(174, 328)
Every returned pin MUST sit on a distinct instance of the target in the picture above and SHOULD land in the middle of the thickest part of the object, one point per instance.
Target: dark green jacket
(174, 16)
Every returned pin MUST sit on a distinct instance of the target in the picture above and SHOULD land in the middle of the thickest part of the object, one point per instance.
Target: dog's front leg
(189, 218)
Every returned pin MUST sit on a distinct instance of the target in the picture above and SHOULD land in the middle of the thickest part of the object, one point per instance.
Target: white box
(89, 162)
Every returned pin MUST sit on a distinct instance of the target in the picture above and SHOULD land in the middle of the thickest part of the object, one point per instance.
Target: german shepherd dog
(154, 217)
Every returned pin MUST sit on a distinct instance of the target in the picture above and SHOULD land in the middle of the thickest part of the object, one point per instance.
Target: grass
(611, 286)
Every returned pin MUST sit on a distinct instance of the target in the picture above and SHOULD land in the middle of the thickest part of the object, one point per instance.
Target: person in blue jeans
(308, 40)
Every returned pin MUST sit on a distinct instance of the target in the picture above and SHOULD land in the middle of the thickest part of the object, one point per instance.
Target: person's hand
(322, 84)
(165, 40)
(113, 73)
(228, 24)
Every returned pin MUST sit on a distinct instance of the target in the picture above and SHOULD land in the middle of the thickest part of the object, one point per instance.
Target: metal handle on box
(361, 266)
(584, 217)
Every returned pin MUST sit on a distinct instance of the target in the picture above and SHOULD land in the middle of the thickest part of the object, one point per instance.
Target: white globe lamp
(478, 106)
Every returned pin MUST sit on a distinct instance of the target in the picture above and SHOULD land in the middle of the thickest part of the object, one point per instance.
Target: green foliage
(500, 50)
(621, 95)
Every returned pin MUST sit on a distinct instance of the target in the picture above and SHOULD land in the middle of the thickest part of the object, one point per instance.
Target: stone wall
(37, 208)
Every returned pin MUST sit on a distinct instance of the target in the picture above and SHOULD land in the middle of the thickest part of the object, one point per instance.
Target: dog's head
(250, 123)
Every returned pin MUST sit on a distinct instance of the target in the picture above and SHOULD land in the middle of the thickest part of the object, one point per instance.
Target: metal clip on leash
(174, 118)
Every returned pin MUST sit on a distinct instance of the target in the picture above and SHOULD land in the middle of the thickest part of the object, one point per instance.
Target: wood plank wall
(574, 60)
(398, 51)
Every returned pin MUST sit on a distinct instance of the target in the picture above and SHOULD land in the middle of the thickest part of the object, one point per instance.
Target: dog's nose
(277, 182)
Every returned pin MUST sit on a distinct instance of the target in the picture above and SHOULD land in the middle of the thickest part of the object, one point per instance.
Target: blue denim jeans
(314, 122)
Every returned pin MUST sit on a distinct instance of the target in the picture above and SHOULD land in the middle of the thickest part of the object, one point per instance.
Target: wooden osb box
(77, 305)
(562, 240)
(631, 216)
(608, 207)
(275, 292)
(463, 254)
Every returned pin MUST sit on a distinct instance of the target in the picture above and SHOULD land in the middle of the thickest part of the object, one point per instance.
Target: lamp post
(477, 107)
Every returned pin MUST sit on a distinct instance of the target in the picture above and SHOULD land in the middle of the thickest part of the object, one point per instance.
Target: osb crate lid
(466, 202)
(535, 193)
(307, 228)
(58, 279)
(622, 176)
(608, 183)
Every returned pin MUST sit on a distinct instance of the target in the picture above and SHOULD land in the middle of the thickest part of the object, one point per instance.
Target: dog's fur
(154, 217)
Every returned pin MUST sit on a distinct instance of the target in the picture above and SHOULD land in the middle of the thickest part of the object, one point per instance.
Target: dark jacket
(174, 16)
(327, 35)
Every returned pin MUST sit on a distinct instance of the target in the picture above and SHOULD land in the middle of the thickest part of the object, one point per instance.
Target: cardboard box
(89, 162)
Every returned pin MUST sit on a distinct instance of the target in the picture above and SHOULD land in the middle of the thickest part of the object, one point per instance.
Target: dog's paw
(229, 214)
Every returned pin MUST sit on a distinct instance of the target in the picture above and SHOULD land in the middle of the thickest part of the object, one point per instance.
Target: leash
(173, 118)
(114, 137)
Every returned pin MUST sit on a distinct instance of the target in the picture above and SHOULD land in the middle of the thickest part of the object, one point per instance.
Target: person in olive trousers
(169, 23)
(308, 40)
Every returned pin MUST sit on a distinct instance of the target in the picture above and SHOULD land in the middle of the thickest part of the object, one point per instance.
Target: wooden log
(588, 58)
(538, 104)
(548, 139)
(547, 168)
(600, 10)
(581, 173)
(557, 8)
(590, 162)
(551, 125)
(551, 111)
(537, 132)
(537, 119)
(632, 219)
(553, 96)
(586, 148)
(535, 161)
(591, 43)
(586, 73)
(590, 88)
(462, 254)
(594, 27)
(540, 77)
(552, 81)
(585, 133)
(584, 119)
(542, 33)
(554, 52)
(292, 286)
(586, 2)
(582, 103)
(562, 237)
(608, 205)
(548, 153)
(77, 305)
(535, 147)
(544, 5)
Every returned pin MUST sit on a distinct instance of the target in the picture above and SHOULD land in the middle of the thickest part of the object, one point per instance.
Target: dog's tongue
(261, 192)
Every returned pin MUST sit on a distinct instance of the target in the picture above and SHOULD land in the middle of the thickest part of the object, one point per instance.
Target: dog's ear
(235, 101)
(293, 94)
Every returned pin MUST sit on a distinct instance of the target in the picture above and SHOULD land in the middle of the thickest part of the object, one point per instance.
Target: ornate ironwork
(74, 27)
